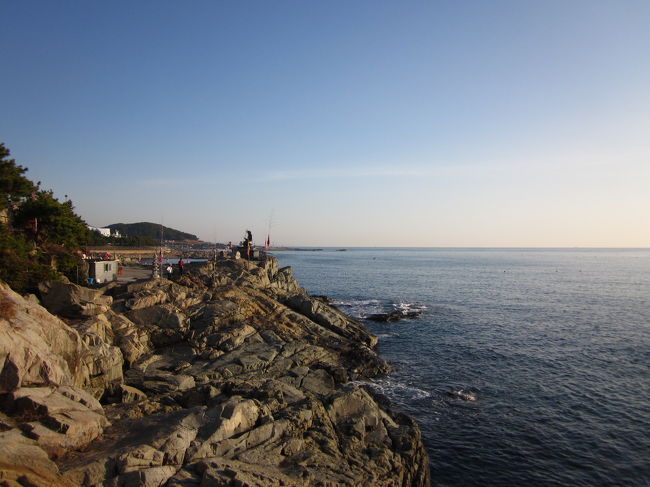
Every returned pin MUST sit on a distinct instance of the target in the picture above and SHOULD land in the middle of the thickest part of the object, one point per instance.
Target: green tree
(14, 186)
(49, 221)
(40, 237)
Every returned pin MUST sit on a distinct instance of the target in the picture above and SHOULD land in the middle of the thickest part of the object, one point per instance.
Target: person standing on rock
(181, 264)
(170, 271)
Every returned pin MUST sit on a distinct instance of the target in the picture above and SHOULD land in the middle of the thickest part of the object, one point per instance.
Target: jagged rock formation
(232, 376)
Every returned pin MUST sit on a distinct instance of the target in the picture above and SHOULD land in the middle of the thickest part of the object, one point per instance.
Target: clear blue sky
(433, 123)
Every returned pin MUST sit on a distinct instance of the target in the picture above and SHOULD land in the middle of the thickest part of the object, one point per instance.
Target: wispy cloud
(173, 181)
(347, 173)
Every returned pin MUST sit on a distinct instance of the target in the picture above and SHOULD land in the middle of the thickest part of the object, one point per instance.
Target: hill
(147, 229)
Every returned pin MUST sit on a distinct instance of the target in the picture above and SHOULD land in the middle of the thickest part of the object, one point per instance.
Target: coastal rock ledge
(230, 376)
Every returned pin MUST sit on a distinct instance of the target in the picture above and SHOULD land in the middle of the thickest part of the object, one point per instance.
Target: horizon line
(460, 247)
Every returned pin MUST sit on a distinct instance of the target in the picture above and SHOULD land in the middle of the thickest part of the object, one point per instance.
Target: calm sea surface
(526, 367)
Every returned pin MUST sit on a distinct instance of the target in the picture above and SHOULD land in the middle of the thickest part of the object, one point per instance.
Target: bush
(23, 266)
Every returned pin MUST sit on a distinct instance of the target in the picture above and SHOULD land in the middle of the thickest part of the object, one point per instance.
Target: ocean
(525, 367)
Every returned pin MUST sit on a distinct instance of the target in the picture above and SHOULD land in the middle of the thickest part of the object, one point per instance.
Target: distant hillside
(147, 229)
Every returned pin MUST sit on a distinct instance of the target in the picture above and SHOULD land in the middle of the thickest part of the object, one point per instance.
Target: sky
(477, 123)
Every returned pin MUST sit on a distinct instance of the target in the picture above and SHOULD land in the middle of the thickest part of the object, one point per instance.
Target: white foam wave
(358, 302)
(362, 308)
(406, 306)
(396, 391)
(388, 335)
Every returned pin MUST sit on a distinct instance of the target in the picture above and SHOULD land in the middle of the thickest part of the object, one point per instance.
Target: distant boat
(341, 250)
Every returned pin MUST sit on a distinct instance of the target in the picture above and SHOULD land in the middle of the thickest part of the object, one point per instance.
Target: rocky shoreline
(230, 376)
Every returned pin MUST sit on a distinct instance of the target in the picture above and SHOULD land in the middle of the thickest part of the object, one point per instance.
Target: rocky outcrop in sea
(231, 376)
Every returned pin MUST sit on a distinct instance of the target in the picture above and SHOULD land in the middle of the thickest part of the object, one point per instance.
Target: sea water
(525, 366)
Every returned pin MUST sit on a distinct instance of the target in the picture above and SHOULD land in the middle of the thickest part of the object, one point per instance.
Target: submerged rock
(464, 395)
(393, 316)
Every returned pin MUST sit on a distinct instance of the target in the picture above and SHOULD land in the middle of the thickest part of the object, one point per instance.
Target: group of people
(170, 268)
(246, 245)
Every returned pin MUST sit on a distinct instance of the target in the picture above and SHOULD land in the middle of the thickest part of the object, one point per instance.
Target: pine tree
(40, 237)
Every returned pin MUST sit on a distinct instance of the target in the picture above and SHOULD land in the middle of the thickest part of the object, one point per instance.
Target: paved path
(134, 273)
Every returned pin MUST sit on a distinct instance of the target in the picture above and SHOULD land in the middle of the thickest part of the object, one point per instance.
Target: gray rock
(131, 394)
(132, 340)
(147, 477)
(60, 421)
(164, 323)
(73, 301)
(24, 462)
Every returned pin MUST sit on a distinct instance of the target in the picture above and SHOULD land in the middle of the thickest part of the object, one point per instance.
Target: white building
(101, 271)
(106, 232)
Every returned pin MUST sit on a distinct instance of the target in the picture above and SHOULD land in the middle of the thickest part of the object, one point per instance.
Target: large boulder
(24, 463)
(59, 419)
(73, 301)
(102, 364)
(133, 341)
(284, 280)
(115, 329)
(36, 348)
(164, 323)
(331, 318)
(147, 299)
(39, 349)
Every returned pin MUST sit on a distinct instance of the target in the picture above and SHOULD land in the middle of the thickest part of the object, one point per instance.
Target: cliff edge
(230, 376)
